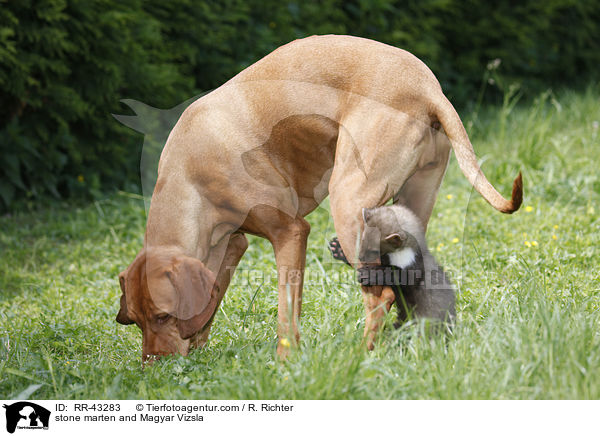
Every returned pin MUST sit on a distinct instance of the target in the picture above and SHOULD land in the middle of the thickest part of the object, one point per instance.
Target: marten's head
(393, 232)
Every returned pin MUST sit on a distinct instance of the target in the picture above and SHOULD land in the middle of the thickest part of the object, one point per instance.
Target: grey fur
(425, 289)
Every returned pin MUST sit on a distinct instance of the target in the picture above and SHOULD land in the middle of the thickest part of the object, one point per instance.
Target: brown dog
(338, 115)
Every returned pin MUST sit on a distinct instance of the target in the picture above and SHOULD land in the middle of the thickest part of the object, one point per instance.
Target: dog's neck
(177, 222)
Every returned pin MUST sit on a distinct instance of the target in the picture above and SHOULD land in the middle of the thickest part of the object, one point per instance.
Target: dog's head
(171, 297)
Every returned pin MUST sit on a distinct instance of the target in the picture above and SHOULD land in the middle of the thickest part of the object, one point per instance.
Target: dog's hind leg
(236, 247)
(377, 301)
(419, 192)
(370, 166)
(346, 210)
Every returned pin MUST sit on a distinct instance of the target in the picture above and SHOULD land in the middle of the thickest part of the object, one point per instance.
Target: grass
(528, 291)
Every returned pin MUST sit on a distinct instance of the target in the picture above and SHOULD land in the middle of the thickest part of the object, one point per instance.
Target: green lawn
(528, 291)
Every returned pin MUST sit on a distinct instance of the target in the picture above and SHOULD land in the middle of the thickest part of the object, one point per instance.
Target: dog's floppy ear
(122, 317)
(397, 239)
(197, 292)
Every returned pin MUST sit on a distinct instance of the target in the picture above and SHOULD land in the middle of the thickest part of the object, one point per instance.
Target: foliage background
(66, 64)
(528, 292)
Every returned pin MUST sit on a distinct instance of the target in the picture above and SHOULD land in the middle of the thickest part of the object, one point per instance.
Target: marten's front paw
(336, 250)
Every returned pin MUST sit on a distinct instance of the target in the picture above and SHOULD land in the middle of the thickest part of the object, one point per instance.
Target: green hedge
(65, 65)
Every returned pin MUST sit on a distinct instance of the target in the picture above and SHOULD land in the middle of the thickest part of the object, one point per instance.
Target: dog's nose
(149, 358)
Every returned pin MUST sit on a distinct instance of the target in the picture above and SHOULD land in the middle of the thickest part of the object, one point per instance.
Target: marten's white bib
(402, 258)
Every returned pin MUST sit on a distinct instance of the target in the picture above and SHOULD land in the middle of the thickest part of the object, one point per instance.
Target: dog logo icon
(26, 415)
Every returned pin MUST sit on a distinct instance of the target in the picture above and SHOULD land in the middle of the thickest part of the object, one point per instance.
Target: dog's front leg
(289, 244)
(288, 236)
(236, 247)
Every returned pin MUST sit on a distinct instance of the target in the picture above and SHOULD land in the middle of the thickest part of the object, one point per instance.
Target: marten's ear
(397, 239)
(366, 214)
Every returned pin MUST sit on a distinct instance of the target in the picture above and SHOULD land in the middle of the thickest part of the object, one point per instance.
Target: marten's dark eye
(370, 256)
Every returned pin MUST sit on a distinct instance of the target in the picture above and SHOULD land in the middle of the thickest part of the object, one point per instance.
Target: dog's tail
(450, 121)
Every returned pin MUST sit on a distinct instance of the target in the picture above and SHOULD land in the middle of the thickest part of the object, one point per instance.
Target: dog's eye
(162, 318)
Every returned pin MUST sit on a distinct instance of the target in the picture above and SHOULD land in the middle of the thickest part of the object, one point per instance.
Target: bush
(65, 65)
(64, 68)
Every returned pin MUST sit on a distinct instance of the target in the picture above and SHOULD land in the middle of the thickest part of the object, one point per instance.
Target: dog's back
(364, 67)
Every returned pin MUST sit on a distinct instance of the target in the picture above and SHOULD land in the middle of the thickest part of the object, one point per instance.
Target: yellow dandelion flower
(555, 226)
(455, 240)
(285, 342)
(524, 234)
(80, 178)
(449, 196)
(529, 209)
(527, 244)
(534, 243)
(554, 237)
